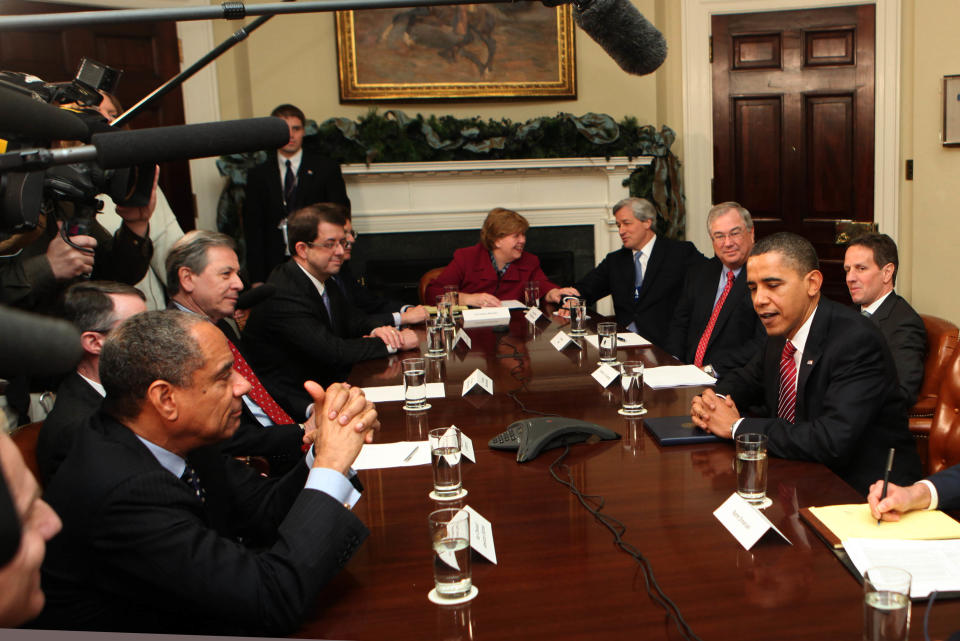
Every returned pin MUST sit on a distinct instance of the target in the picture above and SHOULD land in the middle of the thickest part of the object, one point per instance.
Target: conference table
(559, 573)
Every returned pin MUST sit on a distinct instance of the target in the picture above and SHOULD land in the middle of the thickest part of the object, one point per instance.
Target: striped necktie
(705, 339)
(787, 405)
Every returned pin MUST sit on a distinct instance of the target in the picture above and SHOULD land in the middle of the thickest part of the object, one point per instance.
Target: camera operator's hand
(67, 262)
(137, 219)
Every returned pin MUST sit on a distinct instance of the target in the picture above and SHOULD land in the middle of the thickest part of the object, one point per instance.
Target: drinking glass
(607, 342)
(444, 310)
(450, 538)
(752, 467)
(414, 383)
(578, 318)
(886, 604)
(531, 294)
(435, 344)
(631, 379)
(445, 458)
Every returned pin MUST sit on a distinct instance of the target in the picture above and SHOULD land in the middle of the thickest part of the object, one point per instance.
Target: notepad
(856, 522)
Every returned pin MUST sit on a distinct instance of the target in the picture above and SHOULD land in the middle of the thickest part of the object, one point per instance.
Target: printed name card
(605, 374)
(481, 535)
(561, 341)
(746, 523)
(462, 336)
(466, 445)
(486, 316)
(477, 378)
(533, 314)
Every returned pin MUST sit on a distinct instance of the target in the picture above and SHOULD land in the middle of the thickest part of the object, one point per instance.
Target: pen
(410, 455)
(886, 477)
(621, 339)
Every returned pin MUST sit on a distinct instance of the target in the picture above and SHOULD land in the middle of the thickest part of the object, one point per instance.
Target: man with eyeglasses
(307, 321)
(714, 325)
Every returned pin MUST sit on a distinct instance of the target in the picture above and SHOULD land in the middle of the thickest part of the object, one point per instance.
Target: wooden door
(793, 130)
(148, 54)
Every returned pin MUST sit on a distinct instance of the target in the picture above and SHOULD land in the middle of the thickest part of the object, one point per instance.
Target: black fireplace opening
(391, 264)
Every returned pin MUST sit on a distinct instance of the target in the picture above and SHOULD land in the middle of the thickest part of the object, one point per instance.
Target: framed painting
(507, 50)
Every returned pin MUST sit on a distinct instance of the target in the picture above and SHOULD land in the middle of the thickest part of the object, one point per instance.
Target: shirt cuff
(309, 411)
(934, 497)
(332, 483)
(396, 319)
(391, 349)
(733, 429)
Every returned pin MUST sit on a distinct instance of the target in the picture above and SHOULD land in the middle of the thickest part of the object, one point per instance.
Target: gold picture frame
(512, 50)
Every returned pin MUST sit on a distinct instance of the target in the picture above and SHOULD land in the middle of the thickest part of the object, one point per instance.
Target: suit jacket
(472, 272)
(850, 409)
(737, 334)
(907, 338)
(947, 483)
(662, 281)
(140, 552)
(318, 180)
(380, 309)
(290, 339)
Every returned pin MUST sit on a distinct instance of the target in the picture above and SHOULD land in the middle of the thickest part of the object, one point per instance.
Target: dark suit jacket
(140, 552)
(380, 309)
(662, 282)
(289, 337)
(472, 272)
(947, 483)
(850, 409)
(76, 402)
(318, 180)
(737, 335)
(907, 338)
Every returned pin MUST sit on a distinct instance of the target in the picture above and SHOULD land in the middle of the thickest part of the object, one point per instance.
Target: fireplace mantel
(421, 196)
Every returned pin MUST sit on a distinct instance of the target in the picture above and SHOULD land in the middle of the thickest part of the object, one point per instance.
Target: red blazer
(472, 272)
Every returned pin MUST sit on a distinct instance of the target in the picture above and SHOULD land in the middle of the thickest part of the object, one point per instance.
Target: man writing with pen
(942, 490)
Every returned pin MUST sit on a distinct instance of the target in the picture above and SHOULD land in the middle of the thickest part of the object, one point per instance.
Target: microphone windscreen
(629, 38)
(24, 117)
(255, 296)
(36, 345)
(121, 148)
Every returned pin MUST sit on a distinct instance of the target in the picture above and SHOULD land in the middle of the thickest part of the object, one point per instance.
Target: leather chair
(425, 280)
(942, 338)
(25, 438)
(944, 439)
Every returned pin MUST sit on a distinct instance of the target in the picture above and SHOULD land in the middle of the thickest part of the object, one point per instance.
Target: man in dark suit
(644, 276)
(307, 330)
(714, 325)
(939, 491)
(95, 308)
(288, 180)
(162, 532)
(871, 265)
(203, 276)
(824, 375)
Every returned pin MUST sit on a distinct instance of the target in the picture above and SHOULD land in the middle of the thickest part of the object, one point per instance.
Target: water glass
(886, 604)
(450, 291)
(578, 318)
(450, 538)
(531, 294)
(444, 310)
(631, 379)
(607, 342)
(751, 465)
(414, 383)
(445, 458)
(435, 344)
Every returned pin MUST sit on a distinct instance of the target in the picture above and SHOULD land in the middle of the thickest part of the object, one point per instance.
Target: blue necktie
(326, 303)
(638, 279)
(191, 478)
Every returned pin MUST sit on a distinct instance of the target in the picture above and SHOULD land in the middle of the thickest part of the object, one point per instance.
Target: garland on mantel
(396, 137)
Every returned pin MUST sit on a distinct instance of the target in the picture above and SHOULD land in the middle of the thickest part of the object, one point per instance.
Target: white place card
(486, 316)
(481, 535)
(512, 304)
(462, 336)
(533, 314)
(385, 393)
(561, 341)
(375, 456)
(605, 374)
(624, 339)
(745, 522)
(477, 378)
(466, 447)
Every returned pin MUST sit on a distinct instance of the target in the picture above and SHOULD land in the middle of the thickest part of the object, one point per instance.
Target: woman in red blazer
(496, 268)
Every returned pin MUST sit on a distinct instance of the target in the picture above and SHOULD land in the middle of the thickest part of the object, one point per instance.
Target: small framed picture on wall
(951, 111)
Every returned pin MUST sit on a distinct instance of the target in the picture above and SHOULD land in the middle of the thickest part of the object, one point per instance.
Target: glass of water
(607, 342)
(435, 340)
(444, 311)
(886, 604)
(531, 294)
(445, 458)
(751, 467)
(631, 379)
(578, 317)
(414, 384)
(450, 537)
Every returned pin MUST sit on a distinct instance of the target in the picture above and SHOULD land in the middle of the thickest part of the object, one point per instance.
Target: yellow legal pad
(856, 522)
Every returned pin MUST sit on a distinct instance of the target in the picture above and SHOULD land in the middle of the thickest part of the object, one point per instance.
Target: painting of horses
(506, 50)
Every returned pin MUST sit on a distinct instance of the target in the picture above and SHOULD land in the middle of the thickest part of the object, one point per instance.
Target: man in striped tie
(824, 376)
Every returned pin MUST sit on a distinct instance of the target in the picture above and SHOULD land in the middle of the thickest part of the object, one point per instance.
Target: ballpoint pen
(886, 478)
(410, 455)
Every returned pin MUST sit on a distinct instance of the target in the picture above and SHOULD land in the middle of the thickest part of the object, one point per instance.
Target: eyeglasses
(734, 234)
(330, 245)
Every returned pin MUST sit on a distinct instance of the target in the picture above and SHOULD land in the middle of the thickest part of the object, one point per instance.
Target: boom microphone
(121, 148)
(24, 117)
(629, 38)
(255, 296)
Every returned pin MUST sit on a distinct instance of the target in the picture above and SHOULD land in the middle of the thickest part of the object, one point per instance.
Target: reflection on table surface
(559, 574)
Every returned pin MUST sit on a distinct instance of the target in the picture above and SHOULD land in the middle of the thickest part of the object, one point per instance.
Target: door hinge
(710, 46)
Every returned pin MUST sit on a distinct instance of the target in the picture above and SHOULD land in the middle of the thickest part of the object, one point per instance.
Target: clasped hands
(396, 338)
(715, 414)
(346, 421)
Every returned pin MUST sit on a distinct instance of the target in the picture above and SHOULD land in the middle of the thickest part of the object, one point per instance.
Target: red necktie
(787, 405)
(702, 345)
(258, 393)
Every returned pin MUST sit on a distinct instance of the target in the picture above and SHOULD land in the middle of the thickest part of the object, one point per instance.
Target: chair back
(425, 280)
(942, 337)
(945, 428)
(25, 438)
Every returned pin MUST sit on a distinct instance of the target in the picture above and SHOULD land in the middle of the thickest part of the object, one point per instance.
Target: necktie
(638, 278)
(326, 303)
(702, 345)
(258, 393)
(866, 313)
(787, 405)
(191, 478)
(289, 188)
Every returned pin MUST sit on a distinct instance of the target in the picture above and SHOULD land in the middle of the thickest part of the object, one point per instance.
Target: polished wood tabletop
(559, 573)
